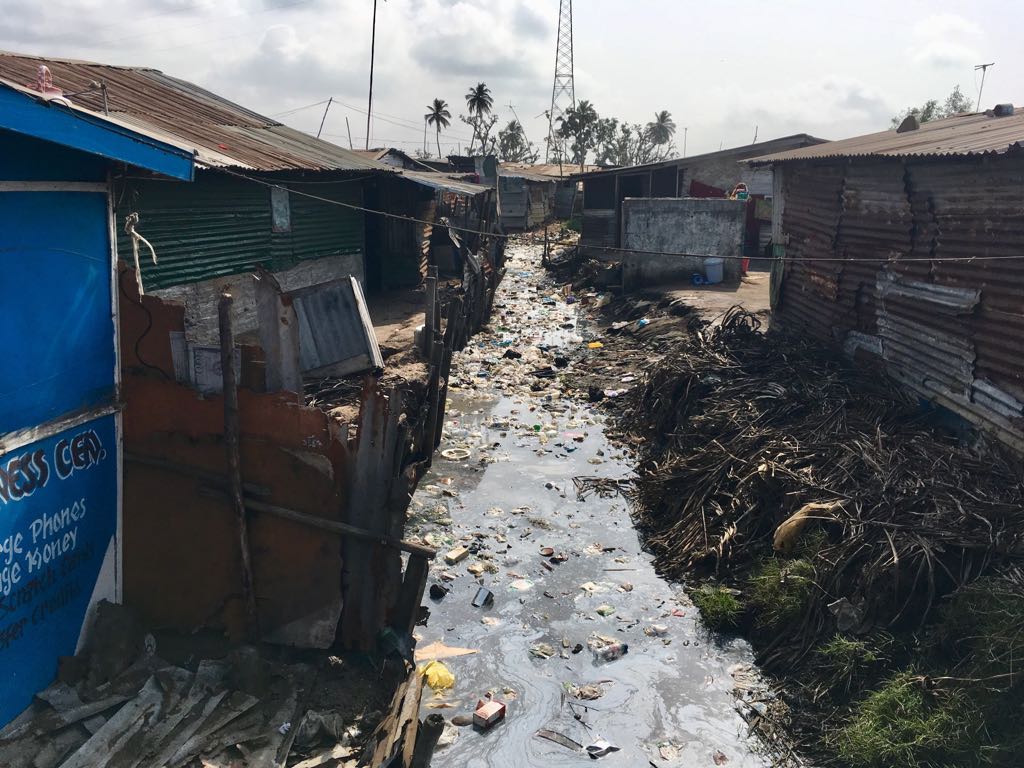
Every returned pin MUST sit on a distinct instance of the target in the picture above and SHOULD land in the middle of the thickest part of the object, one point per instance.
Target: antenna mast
(563, 93)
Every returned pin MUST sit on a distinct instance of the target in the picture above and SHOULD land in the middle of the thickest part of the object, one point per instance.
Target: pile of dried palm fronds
(748, 430)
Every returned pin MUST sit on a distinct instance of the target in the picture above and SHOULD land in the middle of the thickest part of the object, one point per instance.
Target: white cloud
(947, 41)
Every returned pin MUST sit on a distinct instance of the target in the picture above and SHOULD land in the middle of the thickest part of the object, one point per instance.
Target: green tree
(439, 117)
(479, 102)
(954, 104)
(662, 129)
(625, 144)
(580, 125)
(513, 146)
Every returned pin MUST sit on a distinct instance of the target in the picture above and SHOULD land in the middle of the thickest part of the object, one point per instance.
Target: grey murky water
(669, 699)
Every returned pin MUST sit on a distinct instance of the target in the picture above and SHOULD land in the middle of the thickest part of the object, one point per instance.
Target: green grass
(902, 724)
(719, 608)
(982, 628)
(843, 664)
(779, 591)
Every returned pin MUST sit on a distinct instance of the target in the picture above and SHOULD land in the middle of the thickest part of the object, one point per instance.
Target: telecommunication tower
(563, 94)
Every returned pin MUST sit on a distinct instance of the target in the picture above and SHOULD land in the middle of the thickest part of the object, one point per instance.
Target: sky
(727, 71)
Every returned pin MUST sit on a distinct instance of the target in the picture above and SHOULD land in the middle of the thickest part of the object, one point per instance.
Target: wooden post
(544, 257)
(426, 740)
(232, 447)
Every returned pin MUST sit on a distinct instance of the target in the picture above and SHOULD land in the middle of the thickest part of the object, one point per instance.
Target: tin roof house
(906, 247)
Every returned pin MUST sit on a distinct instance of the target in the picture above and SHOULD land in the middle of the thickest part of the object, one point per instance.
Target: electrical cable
(610, 249)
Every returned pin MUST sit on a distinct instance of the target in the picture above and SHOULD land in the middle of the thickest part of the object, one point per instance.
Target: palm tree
(439, 117)
(663, 128)
(479, 103)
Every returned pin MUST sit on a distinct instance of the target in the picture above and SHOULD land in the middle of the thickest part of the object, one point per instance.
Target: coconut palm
(663, 128)
(439, 117)
(479, 103)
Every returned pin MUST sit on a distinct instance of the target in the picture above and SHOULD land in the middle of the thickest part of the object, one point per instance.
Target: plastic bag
(437, 675)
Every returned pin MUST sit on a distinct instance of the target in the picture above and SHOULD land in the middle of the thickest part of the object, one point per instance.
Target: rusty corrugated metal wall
(864, 268)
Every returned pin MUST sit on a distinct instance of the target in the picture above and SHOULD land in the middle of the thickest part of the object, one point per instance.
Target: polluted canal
(592, 654)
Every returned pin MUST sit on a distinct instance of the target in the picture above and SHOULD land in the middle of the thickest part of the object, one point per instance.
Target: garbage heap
(867, 547)
(119, 703)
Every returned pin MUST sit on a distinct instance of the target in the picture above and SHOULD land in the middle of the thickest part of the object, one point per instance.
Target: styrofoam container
(713, 269)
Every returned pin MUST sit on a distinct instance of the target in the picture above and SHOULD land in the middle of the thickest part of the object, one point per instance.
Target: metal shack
(60, 427)
(525, 199)
(906, 247)
(709, 175)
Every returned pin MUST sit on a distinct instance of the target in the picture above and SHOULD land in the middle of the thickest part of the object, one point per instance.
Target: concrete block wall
(693, 226)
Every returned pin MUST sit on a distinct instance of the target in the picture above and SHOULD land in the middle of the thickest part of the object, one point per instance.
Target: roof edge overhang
(59, 122)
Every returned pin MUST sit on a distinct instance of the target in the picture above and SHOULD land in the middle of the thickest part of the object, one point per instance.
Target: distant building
(713, 174)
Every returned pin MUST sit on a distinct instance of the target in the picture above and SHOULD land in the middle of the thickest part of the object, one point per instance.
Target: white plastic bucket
(713, 269)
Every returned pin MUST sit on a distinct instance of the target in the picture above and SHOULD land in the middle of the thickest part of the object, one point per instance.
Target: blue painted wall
(56, 299)
(59, 492)
(53, 538)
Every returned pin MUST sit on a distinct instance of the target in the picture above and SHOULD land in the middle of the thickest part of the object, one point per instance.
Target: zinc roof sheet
(969, 134)
(220, 132)
(441, 181)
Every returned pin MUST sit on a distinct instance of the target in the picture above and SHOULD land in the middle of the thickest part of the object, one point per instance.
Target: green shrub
(718, 607)
(902, 724)
(779, 591)
(575, 224)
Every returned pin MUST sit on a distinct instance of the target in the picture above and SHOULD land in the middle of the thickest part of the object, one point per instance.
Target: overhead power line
(608, 249)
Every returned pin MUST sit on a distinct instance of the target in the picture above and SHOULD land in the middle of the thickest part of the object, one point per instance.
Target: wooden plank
(411, 595)
(430, 296)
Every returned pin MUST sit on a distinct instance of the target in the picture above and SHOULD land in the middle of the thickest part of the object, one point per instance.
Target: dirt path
(669, 700)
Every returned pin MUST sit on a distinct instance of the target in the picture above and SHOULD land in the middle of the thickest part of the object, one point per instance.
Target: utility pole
(984, 69)
(563, 92)
(373, 47)
(324, 118)
(686, 130)
(424, 135)
(349, 128)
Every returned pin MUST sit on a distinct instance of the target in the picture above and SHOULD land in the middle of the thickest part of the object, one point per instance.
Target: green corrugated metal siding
(221, 226)
(216, 226)
(319, 228)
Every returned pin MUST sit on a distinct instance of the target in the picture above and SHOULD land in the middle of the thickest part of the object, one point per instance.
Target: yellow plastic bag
(437, 675)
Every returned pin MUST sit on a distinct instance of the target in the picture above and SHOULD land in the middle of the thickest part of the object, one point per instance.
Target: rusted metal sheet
(220, 132)
(972, 134)
(336, 335)
(867, 257)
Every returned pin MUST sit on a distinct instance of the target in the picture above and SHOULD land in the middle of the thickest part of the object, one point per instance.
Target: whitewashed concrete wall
(200, 299)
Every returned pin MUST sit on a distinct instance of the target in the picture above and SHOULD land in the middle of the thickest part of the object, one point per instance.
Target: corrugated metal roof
(372, 154)
(220, 132)
(973, 134)
(552, 170)
(515, 173)
(741, 154)
(441, 181)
